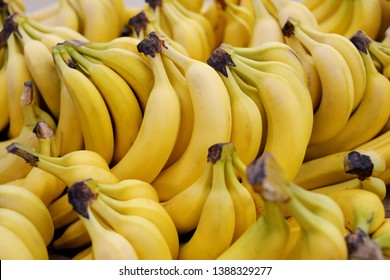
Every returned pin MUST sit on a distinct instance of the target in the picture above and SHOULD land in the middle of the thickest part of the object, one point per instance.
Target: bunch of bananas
(223, 129)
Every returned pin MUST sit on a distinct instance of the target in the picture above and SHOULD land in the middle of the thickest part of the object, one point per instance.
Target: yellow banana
(158, 131)
(92, 112)
(61, 212)
(338, 21)
(214, 13)
(152, 211)
(215, 228)
(65, 15)
(74, 236)
(246, 120)
(244, 205)
(330, 169)
(29, 205)
(382, 55)
(195, 5)
(369, 117)
(185, 207)
(266, 28)
(12, 247)
(381, 236)
(26, 231)
(361, 209)
(325, 10)
(121, 102)
(4, 117)
(85, 254)
(212, 123)
(146, 238)
(336, 82)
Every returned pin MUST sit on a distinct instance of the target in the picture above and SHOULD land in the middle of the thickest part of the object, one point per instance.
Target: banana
(122, 42)
(338, 21)
(381, 236)
(194, 6)
(215, 229)
(159, 127)
(61, 212)
(26, 231)
(351, 55)
(325, 10)
(266, 239)
(212, 123)
(4, 116)
(146, 238)
(372, 184)
(106, 243)
(96, 127)
(152, 211)
(11, 167)
(361, 209)
(65, 15)
(241, 170)
(121, 102)
(336, 81)
(285, 9)
(129, 189)
(214, 13)
(44, 12)
(85, 254)
(272, 51)
(100, 21)
(318, 238)
(320, 204)
(205, 24)
(196, 45)
(246, 120)
(12, 247)
(131, 66)
(29, 205)
(330, 169)
(185, 208)
(69, 135)
(237, 31)
(244, 205)
(68, 174)
(40, 63)
(266, 28)
(44, 185)
(385, 20)
(313, 79)
(312, 4)
(120, 10)
(380, 53)
(284, 122)
(74, 236)
(369, 117)
(17, 73)
(186, 110)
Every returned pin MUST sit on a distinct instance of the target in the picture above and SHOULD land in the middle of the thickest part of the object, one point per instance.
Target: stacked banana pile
(224, 129)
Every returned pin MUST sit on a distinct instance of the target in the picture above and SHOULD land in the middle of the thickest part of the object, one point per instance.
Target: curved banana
(74, 236)
(330, 169)
(247, 127)
(61, 212)
(215, 229)
(131, 66)
(92, 112)
(212, 123)
(26, 231)
(367, 120)
(152, 211)
(29, 205)
(361, 209)
(145, 236)
(284, 123)
(338, 21)
(40, 63)
(12, 247)
(325, 10)
(351, 55)
(158, 132)
(336, 82)
(244, 205)
(185, 208)
(129, 189)
(381, 236)
(4, 116)
(266, 28)
(121, 102)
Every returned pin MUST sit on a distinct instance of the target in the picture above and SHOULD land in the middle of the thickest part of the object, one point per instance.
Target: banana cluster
(235, 129)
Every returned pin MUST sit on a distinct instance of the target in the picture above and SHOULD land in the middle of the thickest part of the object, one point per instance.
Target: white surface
(32, 5)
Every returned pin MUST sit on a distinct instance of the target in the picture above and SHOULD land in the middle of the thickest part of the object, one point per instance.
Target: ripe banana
(26, 231)
(361, 208)
(212, 123)
(74, 236)
(29, 205)
(381, 237)
(159, 127)
(12, 247)
(215, 229)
